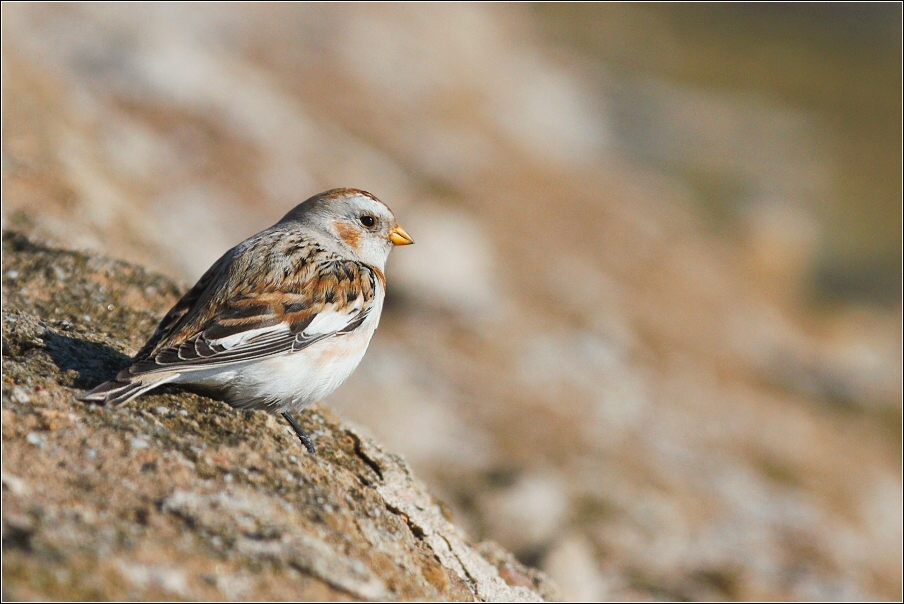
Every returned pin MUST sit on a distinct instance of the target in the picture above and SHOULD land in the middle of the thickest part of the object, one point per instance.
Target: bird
(281, 319)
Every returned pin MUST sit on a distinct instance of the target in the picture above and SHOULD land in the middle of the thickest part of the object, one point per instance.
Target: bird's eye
(368, 221)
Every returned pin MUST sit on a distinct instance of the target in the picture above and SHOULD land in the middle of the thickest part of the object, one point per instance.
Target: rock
(178, 496)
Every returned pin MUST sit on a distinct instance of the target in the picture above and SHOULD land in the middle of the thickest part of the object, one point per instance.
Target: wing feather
(181, 311)
(205, 329)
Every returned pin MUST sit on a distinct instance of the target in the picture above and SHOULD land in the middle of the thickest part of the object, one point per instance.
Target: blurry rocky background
(649, 338)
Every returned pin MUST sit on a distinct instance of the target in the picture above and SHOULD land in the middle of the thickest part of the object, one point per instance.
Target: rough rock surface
(177, 496)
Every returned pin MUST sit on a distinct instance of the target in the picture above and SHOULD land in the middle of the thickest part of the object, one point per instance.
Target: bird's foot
(302, 435)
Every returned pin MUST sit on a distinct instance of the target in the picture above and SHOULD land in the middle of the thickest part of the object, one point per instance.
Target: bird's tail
(122, 390)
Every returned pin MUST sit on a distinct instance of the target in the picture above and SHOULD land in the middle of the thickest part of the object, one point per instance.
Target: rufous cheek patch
(349, 234)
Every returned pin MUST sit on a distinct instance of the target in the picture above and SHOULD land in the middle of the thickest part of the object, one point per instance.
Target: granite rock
(177, 496)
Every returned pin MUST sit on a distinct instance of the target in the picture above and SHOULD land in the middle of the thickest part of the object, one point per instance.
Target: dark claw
(304, 438)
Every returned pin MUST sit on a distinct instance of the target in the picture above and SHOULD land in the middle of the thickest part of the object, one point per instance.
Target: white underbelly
(292, 380)
(289, 381)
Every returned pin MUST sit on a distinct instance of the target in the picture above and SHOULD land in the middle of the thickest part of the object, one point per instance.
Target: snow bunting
(281, 319)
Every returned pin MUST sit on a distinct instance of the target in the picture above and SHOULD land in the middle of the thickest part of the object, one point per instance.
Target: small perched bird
(281, 319)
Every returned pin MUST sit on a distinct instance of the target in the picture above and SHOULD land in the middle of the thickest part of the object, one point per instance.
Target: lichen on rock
(178, 496)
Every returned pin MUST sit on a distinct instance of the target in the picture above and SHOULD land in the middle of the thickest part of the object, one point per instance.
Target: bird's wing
(332, 299)
(194, 298)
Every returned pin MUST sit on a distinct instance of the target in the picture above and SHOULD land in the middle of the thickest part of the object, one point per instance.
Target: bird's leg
(304, 438)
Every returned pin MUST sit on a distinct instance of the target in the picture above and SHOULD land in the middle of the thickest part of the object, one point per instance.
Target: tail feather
(117, 392)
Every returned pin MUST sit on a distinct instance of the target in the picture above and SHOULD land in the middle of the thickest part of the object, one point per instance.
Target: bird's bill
(398, 236)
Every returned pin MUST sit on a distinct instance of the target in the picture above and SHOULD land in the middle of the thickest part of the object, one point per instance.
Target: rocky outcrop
(178, 496)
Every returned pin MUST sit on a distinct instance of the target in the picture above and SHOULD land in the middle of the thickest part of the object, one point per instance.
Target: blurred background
(649, 338)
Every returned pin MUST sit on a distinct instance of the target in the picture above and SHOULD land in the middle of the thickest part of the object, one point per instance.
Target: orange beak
(398, 236)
